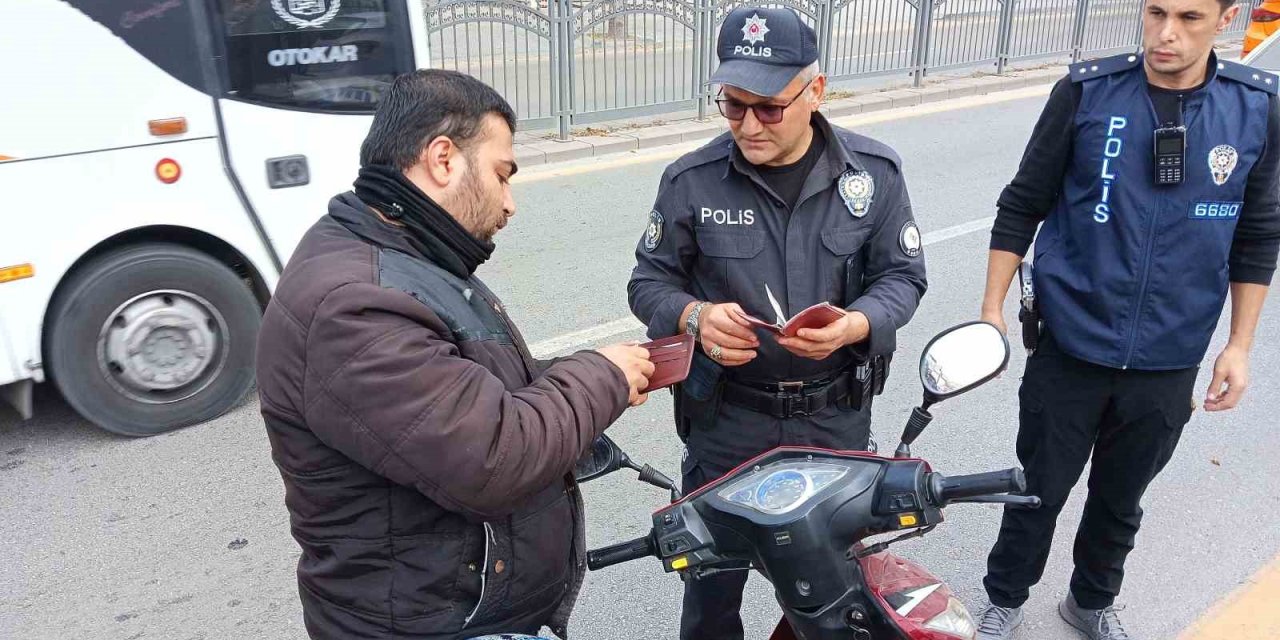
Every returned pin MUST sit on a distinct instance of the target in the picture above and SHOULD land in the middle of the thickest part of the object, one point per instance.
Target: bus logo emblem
(306, 13)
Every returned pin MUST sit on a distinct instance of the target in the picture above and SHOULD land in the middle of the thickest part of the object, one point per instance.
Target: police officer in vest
(784, 207)
(1155, 177)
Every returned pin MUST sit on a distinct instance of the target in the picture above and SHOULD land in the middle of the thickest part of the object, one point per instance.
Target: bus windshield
(328, 55)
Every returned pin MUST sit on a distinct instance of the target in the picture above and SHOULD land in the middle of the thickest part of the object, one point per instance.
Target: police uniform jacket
(718, 233)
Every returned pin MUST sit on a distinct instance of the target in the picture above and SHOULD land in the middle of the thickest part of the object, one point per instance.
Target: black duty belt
(790, 399)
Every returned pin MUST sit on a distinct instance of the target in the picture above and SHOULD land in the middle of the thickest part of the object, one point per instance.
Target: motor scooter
(804, 517)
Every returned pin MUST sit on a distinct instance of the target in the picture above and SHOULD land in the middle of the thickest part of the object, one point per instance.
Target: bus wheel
(152, 338)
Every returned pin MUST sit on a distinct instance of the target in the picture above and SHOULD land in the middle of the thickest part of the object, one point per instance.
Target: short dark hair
(1226, 4)
(424, 105)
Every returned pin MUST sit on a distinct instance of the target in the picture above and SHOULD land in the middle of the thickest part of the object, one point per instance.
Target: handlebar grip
(983, 484)
(618, 553)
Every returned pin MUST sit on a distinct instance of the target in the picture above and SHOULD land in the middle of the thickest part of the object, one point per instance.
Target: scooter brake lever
(1032, 502)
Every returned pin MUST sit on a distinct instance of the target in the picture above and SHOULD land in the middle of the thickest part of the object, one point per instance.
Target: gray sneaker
(1095, 624)
(998, 623)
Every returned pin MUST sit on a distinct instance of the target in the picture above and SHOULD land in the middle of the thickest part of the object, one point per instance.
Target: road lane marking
(1248, 613)
(575, 340)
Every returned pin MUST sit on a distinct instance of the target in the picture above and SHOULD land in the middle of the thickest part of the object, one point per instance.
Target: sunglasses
(765, 113)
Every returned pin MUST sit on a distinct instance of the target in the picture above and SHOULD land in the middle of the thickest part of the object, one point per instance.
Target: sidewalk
(534, 148)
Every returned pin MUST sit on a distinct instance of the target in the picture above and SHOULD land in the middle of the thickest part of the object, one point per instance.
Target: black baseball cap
(762, 49)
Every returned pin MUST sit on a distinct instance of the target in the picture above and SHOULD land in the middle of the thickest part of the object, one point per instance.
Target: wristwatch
(691, 323)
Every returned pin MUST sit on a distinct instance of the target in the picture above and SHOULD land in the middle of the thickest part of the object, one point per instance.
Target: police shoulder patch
(1090, 69)
(1245, 74)
(909, 239)
(653, 233)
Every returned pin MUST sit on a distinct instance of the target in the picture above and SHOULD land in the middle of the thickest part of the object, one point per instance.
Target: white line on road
(943, 235)
(577, 339)
(585, 337)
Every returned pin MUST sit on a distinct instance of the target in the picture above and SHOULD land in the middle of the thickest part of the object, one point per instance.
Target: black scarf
(431, 230)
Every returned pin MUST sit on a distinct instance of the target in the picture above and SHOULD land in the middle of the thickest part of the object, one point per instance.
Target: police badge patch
(1222, 161)
(857, 189)
(653, 234)
(909, 240)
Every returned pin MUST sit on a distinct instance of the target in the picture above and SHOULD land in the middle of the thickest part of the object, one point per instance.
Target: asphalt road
(185, 535)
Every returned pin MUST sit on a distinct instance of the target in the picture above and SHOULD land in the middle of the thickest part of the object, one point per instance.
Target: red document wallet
(671, 358)
(815, 317)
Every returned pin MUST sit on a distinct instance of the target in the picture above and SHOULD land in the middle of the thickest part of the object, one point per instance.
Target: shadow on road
(54, 422)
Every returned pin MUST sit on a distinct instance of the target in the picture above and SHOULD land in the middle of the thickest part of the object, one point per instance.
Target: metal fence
(565, 62)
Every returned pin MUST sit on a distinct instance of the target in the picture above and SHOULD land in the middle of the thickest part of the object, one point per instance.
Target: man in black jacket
(426, 456)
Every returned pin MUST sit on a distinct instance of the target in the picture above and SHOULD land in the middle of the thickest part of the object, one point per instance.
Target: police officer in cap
(787, 208)
(1155, 177)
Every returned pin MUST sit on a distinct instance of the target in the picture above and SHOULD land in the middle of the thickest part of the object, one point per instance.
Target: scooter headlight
(954, 621)
(782, 487)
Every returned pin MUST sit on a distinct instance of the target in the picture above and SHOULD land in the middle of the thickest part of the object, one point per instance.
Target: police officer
(1155, 176)
(784, 207)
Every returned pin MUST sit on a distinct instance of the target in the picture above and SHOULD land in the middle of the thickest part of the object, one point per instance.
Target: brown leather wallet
(671, 358)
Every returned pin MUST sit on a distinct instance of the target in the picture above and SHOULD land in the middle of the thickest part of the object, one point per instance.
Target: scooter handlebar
(980, 484)
(619, 553)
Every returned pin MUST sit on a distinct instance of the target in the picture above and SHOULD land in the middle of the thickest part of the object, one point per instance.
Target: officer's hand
(1232, 367)
(722, 326)
(634, 363)
(818, 344)
(996, 318)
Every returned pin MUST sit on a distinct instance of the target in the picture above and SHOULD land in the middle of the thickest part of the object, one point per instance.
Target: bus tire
(153, 337)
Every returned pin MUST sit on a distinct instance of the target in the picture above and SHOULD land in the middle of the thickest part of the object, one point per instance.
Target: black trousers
(1129, 422)
(711, 604)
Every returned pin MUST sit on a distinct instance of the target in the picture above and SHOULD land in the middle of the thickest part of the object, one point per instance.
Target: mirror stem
(920, 418)
(649, 475)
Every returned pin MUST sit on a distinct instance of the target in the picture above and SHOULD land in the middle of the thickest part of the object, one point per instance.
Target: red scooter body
(910, 594)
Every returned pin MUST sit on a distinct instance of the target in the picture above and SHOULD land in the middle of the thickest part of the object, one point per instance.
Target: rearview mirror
(955, 361)
(602, 459)
(961, 358)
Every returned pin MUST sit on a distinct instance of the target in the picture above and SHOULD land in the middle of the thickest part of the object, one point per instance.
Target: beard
(474, 209)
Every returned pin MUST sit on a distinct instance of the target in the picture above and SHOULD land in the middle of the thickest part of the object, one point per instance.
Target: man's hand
(818, 344)
(634, 363)
(723, 332)
(1232, 367)
(996, 317)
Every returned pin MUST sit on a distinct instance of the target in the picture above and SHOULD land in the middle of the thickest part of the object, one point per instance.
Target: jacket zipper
(488, 535)
(1142, 289)
(1146, 253)
(574, 560)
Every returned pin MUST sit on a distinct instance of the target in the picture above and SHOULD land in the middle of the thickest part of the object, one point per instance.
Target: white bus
(159, 161)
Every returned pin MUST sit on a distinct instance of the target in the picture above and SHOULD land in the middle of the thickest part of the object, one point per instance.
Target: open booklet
(815, 317)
